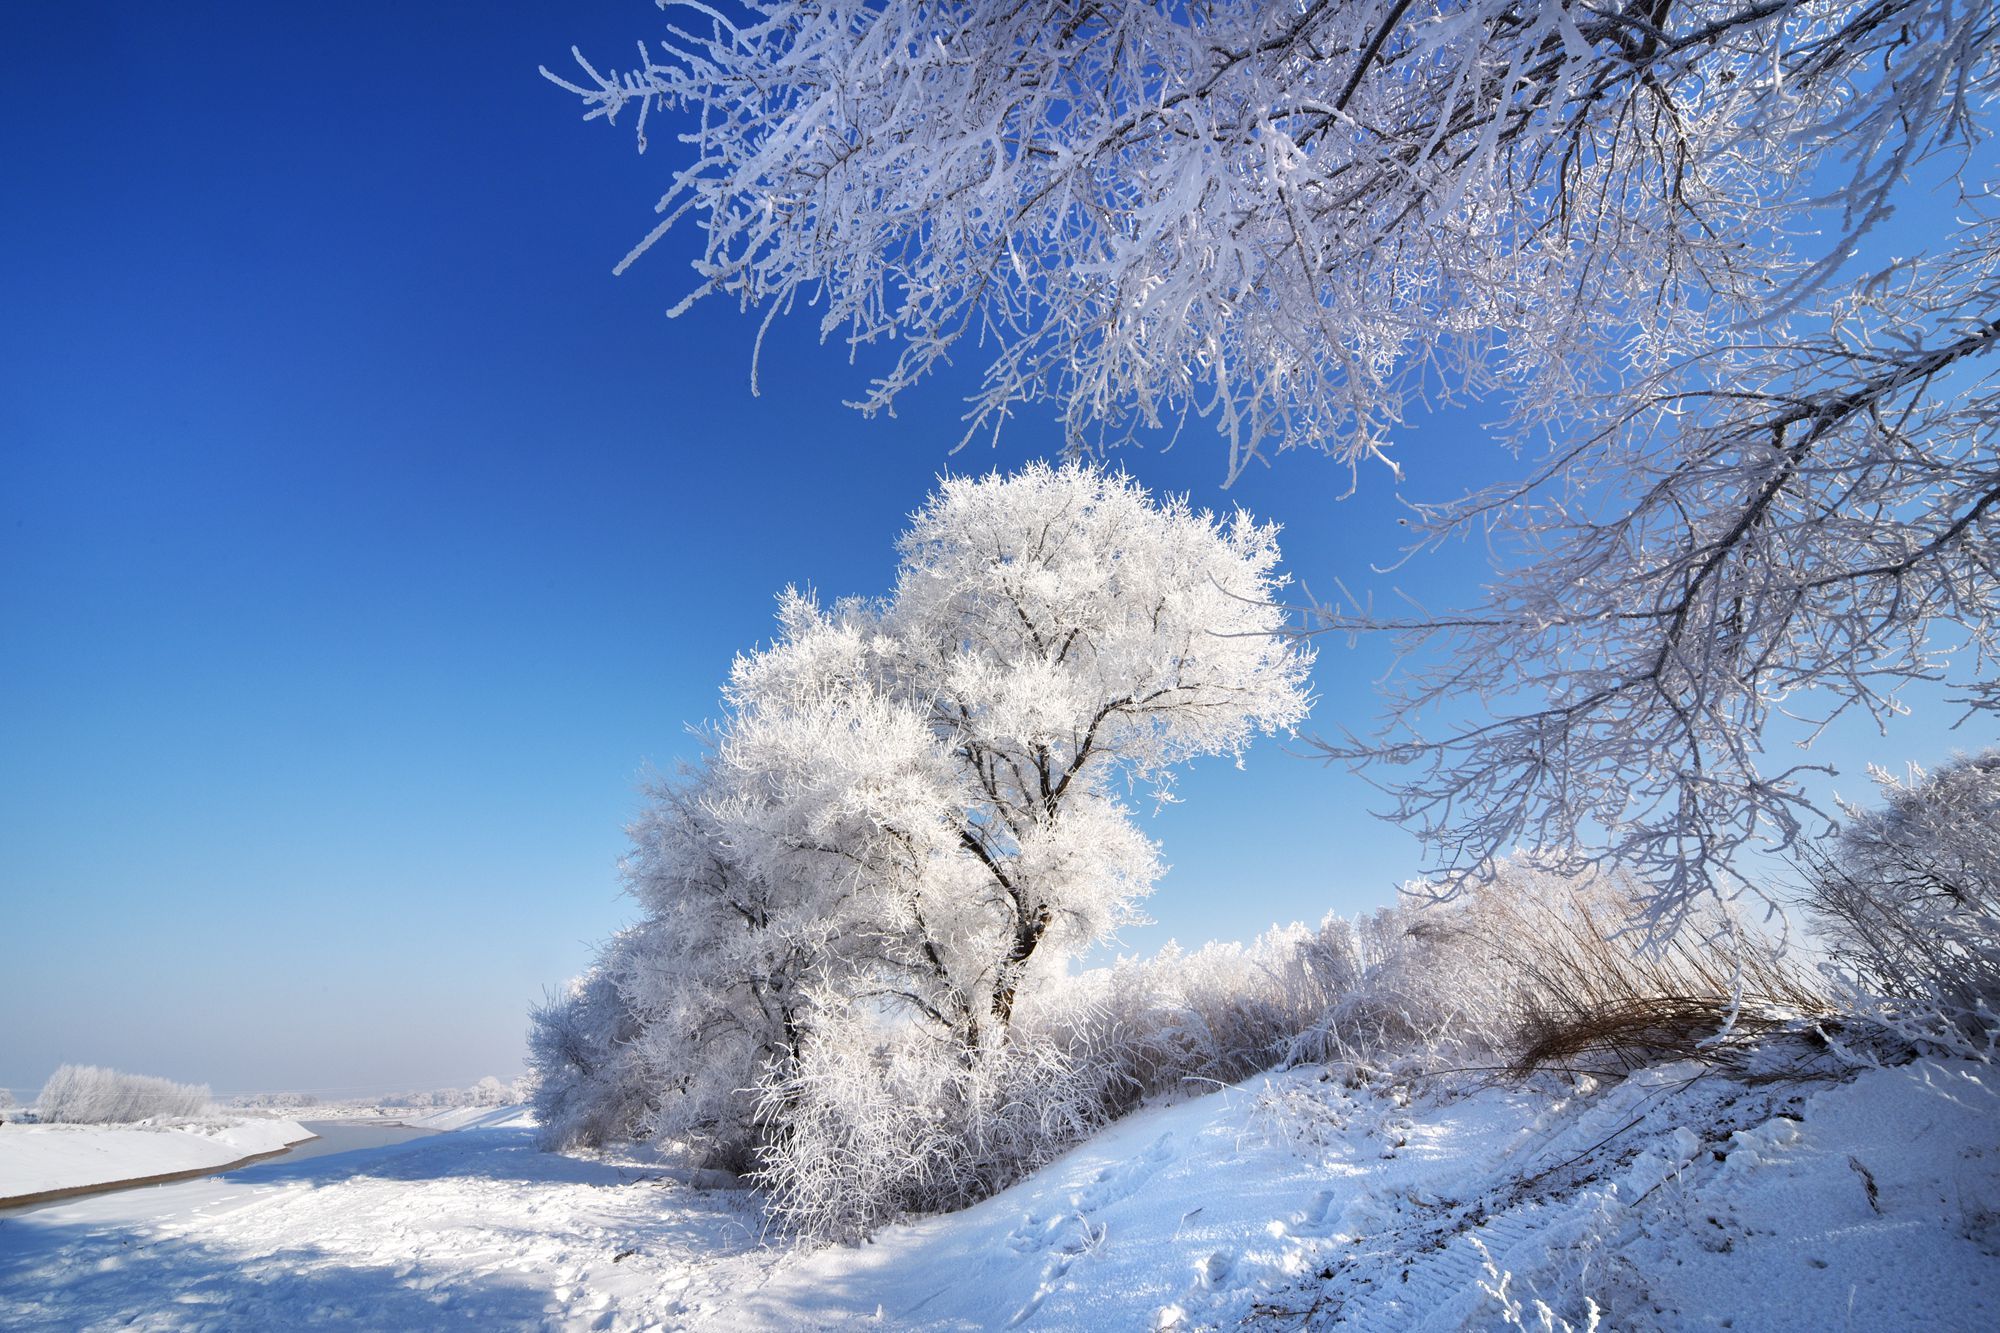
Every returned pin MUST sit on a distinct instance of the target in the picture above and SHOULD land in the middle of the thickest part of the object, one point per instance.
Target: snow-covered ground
(1676, 1199)
(38, 1158)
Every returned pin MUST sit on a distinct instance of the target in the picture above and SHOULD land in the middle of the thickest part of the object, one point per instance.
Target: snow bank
(37, 1159)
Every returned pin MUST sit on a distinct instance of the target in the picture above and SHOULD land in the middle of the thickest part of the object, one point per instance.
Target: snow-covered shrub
(1216, 1015)
(586, 1084)
(867, 1127)
(880, 1121)
(488, 1091)
(1418, 985)
(90, 1095)
(875, 1121)
(1426, 991)
(1907, 902)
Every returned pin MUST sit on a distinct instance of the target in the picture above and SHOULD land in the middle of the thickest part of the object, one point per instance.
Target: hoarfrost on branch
(1761, 465)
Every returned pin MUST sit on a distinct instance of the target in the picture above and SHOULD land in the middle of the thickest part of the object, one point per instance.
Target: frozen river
(336, 1136)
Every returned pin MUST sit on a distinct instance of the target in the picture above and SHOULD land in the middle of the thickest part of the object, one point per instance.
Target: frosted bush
(1159, 1025)
(1907, 901)
(90, 1095)
(488, 1091)
(276, 1101)
(861, 1137)
(876, 1121)
(586, 1085)
(1428, 989)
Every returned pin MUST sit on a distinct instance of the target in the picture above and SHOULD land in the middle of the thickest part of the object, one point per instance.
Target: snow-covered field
(39, 1158)
(1676, 1199)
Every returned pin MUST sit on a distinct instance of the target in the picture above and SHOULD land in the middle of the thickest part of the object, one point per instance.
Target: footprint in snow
(1313, 1222)
(1123, 1180)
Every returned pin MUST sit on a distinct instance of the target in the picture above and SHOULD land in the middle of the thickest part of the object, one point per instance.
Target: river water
(347, 1135)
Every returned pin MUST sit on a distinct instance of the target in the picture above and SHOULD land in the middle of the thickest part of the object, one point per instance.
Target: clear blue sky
(363, 541)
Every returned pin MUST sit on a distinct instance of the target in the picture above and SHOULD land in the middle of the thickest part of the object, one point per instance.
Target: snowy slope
(37, 1158)
(1678, 1199)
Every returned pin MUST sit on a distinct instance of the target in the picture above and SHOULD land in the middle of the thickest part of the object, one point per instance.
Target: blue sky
(363, 541)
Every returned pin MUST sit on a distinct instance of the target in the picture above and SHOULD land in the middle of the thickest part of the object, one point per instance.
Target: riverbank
(41, 1163)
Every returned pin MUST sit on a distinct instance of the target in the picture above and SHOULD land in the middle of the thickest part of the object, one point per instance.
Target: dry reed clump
(1592, 991)
(1541, 969)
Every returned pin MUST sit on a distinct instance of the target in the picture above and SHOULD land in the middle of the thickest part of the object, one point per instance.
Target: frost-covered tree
(490, 1091)
(911, 811)
(1056, 632)
(1290, 215)
(1049, 634)
(1768, 468)
(1800, 530)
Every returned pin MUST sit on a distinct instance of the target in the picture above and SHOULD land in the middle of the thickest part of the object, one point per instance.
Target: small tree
(717, 976)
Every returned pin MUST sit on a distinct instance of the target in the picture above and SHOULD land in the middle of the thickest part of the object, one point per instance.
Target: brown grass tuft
(1592, 993)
